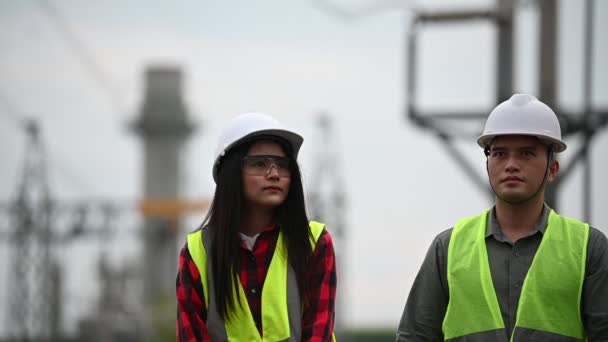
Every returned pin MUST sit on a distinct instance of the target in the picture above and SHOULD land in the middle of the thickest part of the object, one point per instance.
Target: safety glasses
(261, 165)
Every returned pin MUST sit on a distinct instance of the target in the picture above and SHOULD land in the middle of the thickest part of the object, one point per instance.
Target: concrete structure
(164, 126)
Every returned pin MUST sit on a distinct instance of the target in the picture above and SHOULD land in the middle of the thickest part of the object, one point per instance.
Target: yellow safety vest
(281, 304)
(549, 305)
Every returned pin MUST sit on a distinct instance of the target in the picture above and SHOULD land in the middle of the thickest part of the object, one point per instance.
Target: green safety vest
(281, 304)
(549, 305)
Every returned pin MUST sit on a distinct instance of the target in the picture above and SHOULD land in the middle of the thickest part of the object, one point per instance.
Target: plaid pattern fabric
(317, 318)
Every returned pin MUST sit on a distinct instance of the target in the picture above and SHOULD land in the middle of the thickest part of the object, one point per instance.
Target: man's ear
(553, 170)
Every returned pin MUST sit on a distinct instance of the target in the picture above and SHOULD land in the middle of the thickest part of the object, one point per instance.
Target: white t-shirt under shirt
(249, 240)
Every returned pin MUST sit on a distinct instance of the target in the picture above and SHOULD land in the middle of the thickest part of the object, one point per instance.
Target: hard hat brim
(558, 146)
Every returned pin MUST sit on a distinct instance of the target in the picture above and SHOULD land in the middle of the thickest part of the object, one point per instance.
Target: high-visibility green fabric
(199, 256)
(473, 305)
(275, 318)
(550, 298)
(547, 301)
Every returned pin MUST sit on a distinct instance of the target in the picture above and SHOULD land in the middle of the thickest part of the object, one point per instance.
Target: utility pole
(547, 69)
(504, 57)
(590, 125)
(586, 122)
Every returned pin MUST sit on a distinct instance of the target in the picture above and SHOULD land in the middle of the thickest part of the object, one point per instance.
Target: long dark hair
(224, 220)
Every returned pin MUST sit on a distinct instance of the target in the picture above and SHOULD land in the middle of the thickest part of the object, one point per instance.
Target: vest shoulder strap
(316, 228)
(473, 306)
(554, 283)
(199, 256)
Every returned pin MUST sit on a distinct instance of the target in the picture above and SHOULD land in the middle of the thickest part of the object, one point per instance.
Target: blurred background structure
(109, 114)
(586, 122)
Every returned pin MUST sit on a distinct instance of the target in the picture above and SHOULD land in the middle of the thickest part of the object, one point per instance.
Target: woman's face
(266, 175)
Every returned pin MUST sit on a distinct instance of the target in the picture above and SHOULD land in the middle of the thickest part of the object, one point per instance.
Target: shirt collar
(493, 228)
(248, 242)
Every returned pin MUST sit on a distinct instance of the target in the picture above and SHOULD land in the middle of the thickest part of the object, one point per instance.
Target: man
(518, 271)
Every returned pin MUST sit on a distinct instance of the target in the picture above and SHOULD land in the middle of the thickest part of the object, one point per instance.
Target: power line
(85, 55)
(24, 122)
(21, 120)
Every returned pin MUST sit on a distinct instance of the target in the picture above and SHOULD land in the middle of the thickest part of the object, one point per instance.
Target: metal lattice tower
(445, 125)
(326, 194)
(34, 274)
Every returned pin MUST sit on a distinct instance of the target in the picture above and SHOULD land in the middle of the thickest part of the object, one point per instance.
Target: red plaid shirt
(317, 319)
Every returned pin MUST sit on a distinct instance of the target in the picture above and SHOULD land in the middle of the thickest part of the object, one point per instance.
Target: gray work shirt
(509, 263)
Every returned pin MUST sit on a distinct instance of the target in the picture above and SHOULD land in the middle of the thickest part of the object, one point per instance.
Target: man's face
(517, 165)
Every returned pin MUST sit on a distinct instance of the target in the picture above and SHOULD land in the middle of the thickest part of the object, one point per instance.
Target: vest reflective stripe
(281, 304)
(549, 304)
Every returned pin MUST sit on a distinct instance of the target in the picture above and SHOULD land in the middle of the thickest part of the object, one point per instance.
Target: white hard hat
(523, 114)
(249, 125)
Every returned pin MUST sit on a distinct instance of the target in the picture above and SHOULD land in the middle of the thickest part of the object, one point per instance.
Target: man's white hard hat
(523, 114)
(249, 125)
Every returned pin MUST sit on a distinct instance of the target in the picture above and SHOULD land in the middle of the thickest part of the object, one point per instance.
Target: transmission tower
(34, 271)
(445, 124)
(326, 195)
(34, 280)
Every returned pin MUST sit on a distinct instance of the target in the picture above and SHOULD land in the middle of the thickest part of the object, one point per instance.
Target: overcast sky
(290, 59)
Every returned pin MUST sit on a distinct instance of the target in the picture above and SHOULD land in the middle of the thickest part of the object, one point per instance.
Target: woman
(257, 270)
